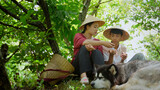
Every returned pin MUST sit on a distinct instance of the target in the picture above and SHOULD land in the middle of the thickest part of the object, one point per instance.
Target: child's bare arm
(110, 61)
(97, 43)
(124, 54)
(111, 54)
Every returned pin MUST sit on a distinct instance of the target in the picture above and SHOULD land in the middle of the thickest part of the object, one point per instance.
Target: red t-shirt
(79, 38)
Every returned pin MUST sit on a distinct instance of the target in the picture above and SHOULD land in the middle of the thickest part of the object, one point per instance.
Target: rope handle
(56, 70)
(49, 79)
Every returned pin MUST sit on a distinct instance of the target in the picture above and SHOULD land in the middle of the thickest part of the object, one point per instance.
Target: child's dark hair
(116, 31)
(85, 26)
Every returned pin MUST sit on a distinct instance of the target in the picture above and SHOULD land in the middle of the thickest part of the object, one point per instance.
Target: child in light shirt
(118, 53)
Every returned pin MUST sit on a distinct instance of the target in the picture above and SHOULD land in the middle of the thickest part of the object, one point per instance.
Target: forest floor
(71, 83)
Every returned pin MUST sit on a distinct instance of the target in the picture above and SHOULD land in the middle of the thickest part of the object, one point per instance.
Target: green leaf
(23, 19)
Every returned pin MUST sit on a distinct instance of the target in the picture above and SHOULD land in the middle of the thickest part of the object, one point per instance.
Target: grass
(71, 83)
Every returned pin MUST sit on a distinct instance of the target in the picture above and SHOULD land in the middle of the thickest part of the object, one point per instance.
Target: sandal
(84, 80)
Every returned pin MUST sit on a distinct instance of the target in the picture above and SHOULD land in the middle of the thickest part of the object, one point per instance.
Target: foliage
(20, 77)
(64, 16)
(146, 14)
(153, 46)
(113, 12)
(35, 51)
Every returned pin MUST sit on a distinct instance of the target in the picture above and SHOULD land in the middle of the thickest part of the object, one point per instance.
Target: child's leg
(83, 64)
(97, 57)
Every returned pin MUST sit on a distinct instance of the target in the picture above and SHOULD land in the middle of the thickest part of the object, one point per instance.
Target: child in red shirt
(88, 50)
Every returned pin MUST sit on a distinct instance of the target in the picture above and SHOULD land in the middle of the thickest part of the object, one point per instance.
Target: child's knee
(83, 48)
(141, 56)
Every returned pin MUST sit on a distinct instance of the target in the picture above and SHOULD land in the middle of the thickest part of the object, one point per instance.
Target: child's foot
(84, 80)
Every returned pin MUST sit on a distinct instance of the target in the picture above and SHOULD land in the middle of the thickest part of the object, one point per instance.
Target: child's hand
(112, 51)
(89, 47)
(123, 56)
(108, 44)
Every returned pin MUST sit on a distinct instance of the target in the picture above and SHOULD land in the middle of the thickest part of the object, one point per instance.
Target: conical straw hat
(57, 69)
(91, 19)
(107, 34)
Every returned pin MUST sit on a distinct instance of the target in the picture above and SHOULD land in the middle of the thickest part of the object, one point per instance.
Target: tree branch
(9, 25)
(18, 28)
(97, 6)
(8, 12)
(24, 9)
(14, 52)
(155, 47)
(29, 0)
(36, 24)
(105, 2)
(82, 15)
(44, 7)
(40, 25)
(53, 43)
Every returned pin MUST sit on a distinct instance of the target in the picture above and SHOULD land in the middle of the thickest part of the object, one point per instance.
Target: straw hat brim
(57, 63)
(92, 19)
(124, 37)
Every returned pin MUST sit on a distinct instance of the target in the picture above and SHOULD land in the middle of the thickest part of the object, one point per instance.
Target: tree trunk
(4, 80)
(96, 8)
(51, 38)
(82, 15)
(53, 43)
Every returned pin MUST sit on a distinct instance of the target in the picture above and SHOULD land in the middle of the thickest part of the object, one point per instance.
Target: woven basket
(57, 69)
